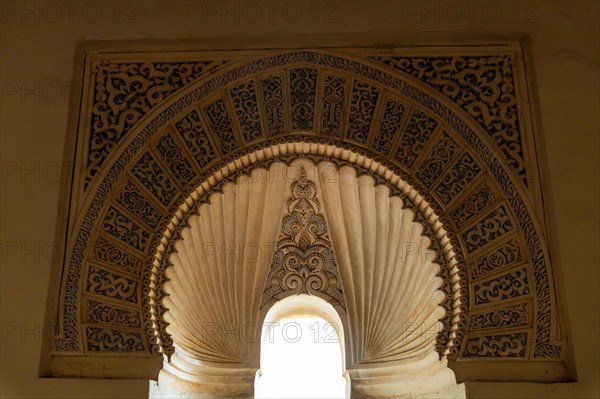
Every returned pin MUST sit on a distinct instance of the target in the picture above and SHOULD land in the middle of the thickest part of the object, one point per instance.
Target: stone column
(184, 377)
(428, 377)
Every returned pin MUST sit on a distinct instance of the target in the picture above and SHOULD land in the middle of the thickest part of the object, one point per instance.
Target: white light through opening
(302, 351)
(301, 358)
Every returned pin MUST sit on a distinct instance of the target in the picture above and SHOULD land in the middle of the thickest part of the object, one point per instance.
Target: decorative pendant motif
(304, 262)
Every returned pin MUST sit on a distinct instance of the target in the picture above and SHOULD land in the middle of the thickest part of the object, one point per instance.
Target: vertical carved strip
(493, 226)
(390, 124)
(303, 85)
(178, 163)
(463, 172)
(362, 108)
(419, 129)
(303, 262)
(333, 104)
(437, 160)
(220, 123)
(246, 109)
(151, 175)
(193, 134)
(272, 91)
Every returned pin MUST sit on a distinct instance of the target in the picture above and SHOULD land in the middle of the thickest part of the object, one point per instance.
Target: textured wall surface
(38, 44)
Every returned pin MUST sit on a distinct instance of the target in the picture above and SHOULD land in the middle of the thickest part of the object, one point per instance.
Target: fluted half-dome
(389, 279)
(221, 266)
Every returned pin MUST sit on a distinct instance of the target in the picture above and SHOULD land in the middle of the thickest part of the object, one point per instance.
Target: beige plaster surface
(37, 52)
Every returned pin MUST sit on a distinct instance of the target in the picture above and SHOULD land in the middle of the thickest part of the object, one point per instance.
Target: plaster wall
(37, 51)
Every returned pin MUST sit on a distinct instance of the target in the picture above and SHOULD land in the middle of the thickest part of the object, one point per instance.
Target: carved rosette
(304, 262)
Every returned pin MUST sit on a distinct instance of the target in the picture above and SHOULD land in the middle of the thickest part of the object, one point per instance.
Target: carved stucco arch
(450, 126)
(288, 153)
(209, 299)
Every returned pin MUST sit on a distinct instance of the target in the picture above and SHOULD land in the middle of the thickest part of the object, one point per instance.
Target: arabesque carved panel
(483, 86)
(151, 175)
(245, 101)
(110, 314)
(112, 285)
(509, 317)
(303, 86)
(419, 130)
(510, 285)
(304, 262)
(123, 93)
(109, 340)
(497, 346)
(493, 226)
(192, 132)
(333, 103)
(390, 125)
(362, 106)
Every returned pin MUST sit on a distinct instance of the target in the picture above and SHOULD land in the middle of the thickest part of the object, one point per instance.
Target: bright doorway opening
(302, 351)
